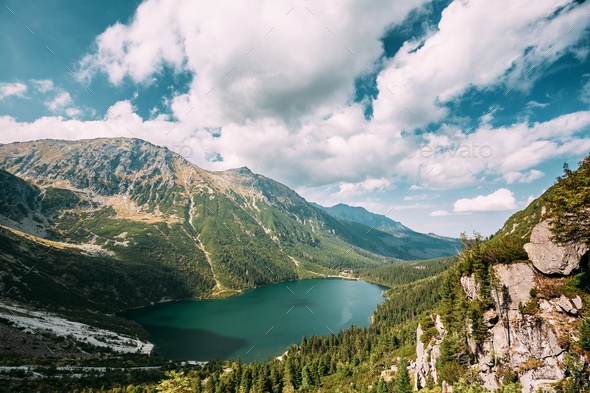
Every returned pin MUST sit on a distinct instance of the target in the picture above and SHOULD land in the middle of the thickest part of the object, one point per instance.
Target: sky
(448, 116)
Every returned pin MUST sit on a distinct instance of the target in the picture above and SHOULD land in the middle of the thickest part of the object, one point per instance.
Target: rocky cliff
(533, 321)
(427, 354)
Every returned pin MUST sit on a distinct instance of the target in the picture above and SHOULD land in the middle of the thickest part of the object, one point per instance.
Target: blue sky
(345, 102)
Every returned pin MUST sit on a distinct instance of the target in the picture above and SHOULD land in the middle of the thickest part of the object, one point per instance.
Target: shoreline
(240, 291)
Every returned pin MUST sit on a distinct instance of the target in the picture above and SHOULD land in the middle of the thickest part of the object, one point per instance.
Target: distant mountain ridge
(361, 215)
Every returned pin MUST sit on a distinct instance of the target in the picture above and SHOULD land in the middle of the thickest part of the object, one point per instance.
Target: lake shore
(239, 292)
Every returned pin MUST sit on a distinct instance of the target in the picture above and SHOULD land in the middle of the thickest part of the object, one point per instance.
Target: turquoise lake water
(260, 323)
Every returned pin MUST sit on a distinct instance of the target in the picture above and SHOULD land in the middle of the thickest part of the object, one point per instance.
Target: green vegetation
(407, 271)
(569, 204)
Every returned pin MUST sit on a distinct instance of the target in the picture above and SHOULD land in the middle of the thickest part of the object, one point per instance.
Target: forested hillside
(349, 360)
(477, 303)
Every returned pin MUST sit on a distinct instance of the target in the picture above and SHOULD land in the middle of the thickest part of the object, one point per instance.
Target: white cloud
(439, 213)
(16, 89)
(348, 190)
(43, 85)
(479, 44)
(535, 104)
(510, 151)
(501, 199)
(513, 176)
(73, 112)
(60, 102)
(297, 68)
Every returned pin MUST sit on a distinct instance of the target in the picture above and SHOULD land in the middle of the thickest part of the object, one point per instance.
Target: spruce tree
(403, 378)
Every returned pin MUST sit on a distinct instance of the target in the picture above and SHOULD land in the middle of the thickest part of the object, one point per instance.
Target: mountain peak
(242, 170)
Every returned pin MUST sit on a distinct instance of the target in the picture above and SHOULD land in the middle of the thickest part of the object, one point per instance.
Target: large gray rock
(551, 258)
(519, 279)
(421, 363)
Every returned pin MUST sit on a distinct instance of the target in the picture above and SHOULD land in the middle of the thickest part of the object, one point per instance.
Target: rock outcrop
(518, 279)
(551, 258)
(426, 355)
(470, 286)
(533, 344)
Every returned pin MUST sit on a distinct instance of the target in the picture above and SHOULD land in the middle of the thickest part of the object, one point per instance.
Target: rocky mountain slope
(515, 307)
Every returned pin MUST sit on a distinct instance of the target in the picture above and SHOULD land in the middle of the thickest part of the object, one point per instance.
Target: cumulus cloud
(260, 61)
(513, 176)
(348, 190)
(283, 85)
(439, 213)
(16, 89)
(60, 102)
(478, 44)
(509, 152)
(501, 199)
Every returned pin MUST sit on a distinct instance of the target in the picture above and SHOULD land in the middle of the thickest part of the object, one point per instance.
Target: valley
(109, 247)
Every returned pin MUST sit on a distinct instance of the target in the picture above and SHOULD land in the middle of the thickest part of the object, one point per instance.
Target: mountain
(360, 215)
(142, 209)
(415, 245)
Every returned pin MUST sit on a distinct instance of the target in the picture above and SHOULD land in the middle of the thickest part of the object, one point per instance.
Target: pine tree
(306, 377)
(177, 383)
(403, 378)
(263, 385)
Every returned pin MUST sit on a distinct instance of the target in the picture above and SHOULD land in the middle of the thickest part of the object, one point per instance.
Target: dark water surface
(261, 322)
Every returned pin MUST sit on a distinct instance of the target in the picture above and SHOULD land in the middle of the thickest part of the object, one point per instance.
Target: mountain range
(132, 224)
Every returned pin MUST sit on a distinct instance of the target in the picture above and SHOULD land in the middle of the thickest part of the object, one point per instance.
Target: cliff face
(532, 324)
(530, 339)
(427, 354)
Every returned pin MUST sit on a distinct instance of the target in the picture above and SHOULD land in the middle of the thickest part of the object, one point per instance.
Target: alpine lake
(260, 323)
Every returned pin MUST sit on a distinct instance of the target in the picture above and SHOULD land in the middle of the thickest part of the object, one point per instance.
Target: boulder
(565, 304)
(426, 356)
(578, 302)
(551, 258)
(421, 369)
